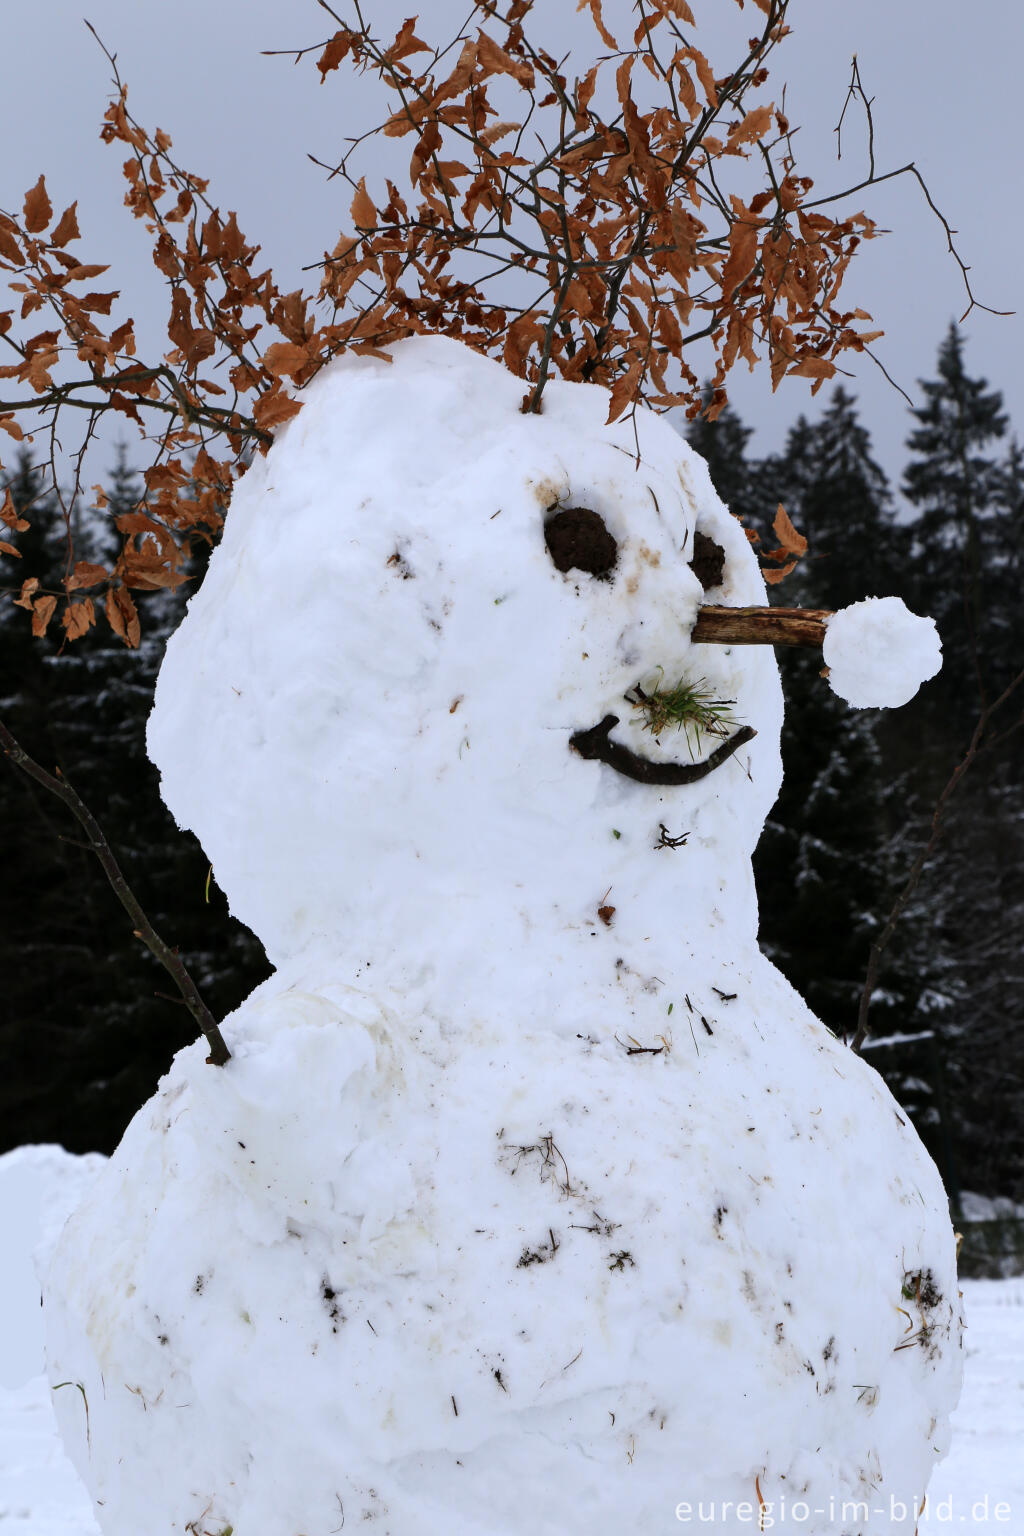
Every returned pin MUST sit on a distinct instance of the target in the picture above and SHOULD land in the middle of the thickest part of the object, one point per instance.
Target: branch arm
(143, 928)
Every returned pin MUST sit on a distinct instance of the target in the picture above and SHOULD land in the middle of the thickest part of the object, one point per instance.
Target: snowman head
(384, 712)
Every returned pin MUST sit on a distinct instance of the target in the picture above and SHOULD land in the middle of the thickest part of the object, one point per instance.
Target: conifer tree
(966, 543)
(86, 1032)
(956, 483)
(722, 444)
(839, 842)
(831, 852)
(840, 500)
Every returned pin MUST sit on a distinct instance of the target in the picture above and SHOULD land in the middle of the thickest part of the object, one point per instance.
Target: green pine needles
(688, 706)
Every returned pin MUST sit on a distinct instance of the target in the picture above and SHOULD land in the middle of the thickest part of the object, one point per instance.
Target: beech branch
(760, 626)
(143, 929)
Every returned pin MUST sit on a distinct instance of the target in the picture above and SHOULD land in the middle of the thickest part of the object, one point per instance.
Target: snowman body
(532, 1199)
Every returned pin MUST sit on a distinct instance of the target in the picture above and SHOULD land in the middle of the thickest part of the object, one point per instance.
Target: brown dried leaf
(686, 88)
(429, 143)
(522, 335)
(37, 370)
(203, 344)
(790, 540)
(406, 43)
(67, 227)
(126, 406)
(123, 338)
(577, 299)
(496, 131)
(598, 19)
(405, 120)
(754, 126)
(86, 574)
(336, 49)
(9, 248)
(669, 332)
(38, 209)
(122, 615)
(42, 613)
(460, 76)
(364, 214)
(817, 368)
(179, 327)
(742, 255)
(12, 427)
(77, 618)
(623, 77)
(273, 409)
(149, 570)
(9, 513)
(497, 62)
(285, 359)
(706, 76)
(140, 522)
(98, 303)
(773, 577)
(625, 390)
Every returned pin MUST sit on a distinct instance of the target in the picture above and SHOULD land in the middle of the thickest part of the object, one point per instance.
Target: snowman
(532, 1198)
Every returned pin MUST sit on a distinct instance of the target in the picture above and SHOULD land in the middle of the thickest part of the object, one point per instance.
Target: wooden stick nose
(760, 626)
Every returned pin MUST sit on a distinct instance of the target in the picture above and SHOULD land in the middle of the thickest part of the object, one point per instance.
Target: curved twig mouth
(595, 746)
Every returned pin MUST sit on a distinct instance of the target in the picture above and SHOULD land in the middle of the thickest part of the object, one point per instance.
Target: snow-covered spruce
(533, 1199)
(879, 653)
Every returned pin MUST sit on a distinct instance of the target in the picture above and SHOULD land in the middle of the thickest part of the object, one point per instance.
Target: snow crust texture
(533, 1199)
(879, 653)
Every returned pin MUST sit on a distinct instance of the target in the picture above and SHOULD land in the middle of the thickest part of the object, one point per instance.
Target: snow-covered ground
(979, 1486)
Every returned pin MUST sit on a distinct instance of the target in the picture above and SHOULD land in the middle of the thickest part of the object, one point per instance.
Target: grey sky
(944, 79)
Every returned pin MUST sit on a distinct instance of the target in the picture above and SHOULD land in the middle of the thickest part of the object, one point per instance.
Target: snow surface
(879, 653)
(39, 1187)
(980, 1485)
(533, 1199)
(990, 1208)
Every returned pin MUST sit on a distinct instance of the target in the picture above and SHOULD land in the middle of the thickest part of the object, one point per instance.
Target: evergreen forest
(88, 1021)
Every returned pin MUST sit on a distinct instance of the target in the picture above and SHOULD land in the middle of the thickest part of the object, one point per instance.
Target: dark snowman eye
(708, 562)
(577, 539)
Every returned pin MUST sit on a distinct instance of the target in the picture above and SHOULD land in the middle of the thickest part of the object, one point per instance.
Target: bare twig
(142, 927)
(856, 92)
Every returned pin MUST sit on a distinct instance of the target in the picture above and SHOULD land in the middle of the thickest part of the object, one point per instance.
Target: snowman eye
(708, 562)
(577, 539)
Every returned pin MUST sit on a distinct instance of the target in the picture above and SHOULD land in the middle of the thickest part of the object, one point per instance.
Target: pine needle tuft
(688, 706)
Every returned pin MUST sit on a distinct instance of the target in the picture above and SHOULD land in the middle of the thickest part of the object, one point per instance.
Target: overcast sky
(945, 79)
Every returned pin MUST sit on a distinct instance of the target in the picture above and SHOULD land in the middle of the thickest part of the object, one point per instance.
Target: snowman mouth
(595, 745)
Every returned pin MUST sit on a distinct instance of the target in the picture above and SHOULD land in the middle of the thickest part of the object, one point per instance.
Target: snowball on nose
(879, 653)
